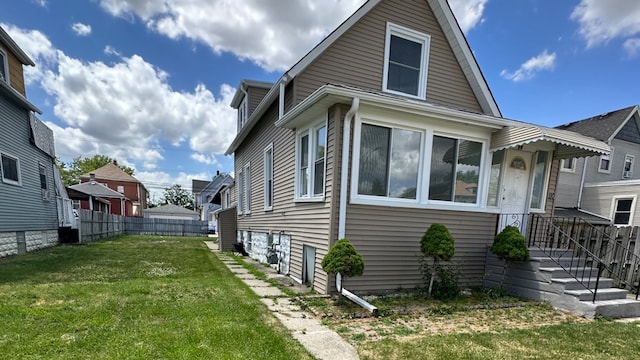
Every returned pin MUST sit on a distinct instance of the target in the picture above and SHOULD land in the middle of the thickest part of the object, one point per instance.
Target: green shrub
(445, 284)
(343, 259)
(438, 244)
(510, 245)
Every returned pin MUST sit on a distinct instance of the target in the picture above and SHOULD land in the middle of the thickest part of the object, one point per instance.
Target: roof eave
(19, 98)
(13, 46)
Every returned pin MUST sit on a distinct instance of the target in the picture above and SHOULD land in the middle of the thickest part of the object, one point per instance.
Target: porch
(576, 266)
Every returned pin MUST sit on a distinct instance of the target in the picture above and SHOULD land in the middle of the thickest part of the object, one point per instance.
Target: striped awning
(568, 143)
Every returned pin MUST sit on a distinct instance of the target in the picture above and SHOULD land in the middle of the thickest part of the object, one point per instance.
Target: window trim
(5, 60)
(268, 203)
(614, 203)
(311, 131)
(631, 159)
(428, 130)
(242, 113)
(572, 169)
(247, 188)
(240, 192)
(11, 181)
(610, 158)
(411, 35)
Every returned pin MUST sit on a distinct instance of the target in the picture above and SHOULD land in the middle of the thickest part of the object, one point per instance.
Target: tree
(509, 245)
(438, 244)
(343, 259)
(176, 195)
(72, 171)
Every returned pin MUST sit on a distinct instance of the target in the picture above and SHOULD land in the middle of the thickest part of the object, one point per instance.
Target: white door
(515, 190)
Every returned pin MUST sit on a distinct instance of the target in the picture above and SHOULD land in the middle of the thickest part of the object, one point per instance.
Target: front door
(515, 190)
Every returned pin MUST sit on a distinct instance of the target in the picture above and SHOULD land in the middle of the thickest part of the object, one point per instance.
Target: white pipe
(346, 135)
(584, 172)
(353, 297)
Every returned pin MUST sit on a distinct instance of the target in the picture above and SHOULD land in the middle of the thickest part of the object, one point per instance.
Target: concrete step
(603, 294)
(618, 309)
(550, 252)
(573, 284)
(579, 272)
(546, 261)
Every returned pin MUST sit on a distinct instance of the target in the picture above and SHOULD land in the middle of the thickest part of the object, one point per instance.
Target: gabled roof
(217, 183)
(17, 51)
(111, 172)
(451, 29)
(243, 86)
(603, 127)
(170, 209)
(97, 189)
(198, 185)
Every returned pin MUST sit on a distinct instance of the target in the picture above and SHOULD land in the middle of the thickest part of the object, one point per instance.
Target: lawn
(134, 297)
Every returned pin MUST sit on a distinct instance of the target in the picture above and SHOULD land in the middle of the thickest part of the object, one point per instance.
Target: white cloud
(42, 3)
(468, 12)
(81, 29)
(601, 21)
(531, 67)
(157, 181)
(110, 50)
(632, 46)
(205, 159)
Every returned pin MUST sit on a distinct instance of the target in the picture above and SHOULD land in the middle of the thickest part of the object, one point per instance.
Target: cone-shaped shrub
(438, 243)
(509, 245)
(343, 259)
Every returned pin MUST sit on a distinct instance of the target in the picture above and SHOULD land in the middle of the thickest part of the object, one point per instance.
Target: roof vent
(603, 115)
(92, 178)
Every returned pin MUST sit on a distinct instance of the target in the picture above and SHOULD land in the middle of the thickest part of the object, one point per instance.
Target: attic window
(4, 67)
(242, 113)
(405, 62)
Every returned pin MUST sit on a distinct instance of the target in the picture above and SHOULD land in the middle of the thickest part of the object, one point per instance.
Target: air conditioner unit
(46, 195)
(626, 174)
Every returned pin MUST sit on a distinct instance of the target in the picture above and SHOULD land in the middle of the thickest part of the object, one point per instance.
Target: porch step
(570, 283)
(603, 294)
(581, 272)
(555, 261)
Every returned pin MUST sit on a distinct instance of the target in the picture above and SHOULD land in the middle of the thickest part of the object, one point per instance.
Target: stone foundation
(14, 243)
(258, 244)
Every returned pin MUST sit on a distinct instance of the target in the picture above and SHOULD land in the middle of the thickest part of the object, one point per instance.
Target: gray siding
(307, 223)
(21, 206)
(620, 149)
(569, 186)
(598, 199)
(389, 241)
(365, 41)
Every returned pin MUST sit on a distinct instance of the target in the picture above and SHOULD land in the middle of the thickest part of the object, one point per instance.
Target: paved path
(319, 340)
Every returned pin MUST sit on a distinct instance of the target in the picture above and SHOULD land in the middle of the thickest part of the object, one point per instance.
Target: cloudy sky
(150, 82)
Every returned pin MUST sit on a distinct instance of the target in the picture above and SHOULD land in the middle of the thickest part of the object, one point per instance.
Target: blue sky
(149, 82)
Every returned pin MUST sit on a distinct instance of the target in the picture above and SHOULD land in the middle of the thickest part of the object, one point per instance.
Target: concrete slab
(256, 283)
(326, 345)
(267, 291)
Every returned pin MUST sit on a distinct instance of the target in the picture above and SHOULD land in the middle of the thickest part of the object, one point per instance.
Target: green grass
(134, 298)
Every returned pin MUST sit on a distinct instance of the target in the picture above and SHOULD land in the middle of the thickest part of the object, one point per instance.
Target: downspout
(346, 135)
(584, 173)
(342, 214)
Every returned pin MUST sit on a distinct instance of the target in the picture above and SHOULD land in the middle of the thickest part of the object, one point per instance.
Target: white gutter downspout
(342, 215)
(346, 135)
(584, 173)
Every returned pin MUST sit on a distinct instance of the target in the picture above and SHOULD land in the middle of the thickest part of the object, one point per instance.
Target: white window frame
(614, 207)
(5, 60)
(240, 192)
(415, 36)
(571, 169)
(242, 113)
(628, 174)
(605, 157)
(17, 160)
(311, 131)
(422, 192)
(268, 177)
(247, 188)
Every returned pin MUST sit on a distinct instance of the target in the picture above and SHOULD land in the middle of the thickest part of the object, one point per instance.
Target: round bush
(510, 245)
(343, 259)
(438, 243)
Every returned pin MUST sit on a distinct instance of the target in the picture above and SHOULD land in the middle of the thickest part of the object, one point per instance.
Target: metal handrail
(609, 246)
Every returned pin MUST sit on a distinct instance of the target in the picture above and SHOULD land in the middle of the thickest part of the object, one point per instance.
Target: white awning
(568, 143)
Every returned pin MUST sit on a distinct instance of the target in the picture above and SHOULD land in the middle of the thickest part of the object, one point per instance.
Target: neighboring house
(28, 208)
(96, 196)
(133, 191)
(384, 128)
(170, 211)
(208, 197)
(608, 185)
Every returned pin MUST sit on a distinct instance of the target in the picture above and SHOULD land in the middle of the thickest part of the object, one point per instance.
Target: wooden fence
(95, 225)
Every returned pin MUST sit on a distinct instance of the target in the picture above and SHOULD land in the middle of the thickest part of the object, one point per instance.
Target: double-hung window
(389, 161)
(627, 170)
(268, 178)
(405, 62)
(568, 165)
(455, 170)
(311, 148)
(623, 211)
(247, 188)
(4, 67)
(604, 165)
(10, 169)
(242, 114)
(240, 192)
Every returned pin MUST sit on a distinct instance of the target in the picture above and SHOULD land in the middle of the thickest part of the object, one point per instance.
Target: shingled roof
(110, 171)
(603, 127)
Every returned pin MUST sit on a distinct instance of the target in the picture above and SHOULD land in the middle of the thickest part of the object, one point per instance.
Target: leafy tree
(72, 171)
(177, 195)
(343, 259)
(509, 245)
(438, 244)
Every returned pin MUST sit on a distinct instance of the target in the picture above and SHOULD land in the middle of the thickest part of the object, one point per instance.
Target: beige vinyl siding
(307, 223)
(389, 241)
(365, 42)
(552, 192)
(16, 77)
(255, 96)
(599, 199)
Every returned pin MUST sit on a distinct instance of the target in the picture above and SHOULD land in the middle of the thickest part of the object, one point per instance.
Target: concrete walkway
(319, 340)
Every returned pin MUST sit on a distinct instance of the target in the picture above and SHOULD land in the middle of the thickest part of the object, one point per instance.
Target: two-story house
(382, 129)
(133, 194)
(607, 186)
(207, 197)
(28, 209)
